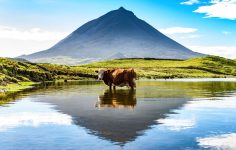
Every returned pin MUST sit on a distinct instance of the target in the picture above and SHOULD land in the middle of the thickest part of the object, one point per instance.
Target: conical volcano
(117, 33)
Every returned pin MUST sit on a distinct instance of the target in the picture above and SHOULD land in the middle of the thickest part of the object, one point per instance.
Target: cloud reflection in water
(224, 141)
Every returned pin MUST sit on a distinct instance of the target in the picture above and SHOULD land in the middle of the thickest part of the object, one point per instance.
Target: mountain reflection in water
(100, 115)
(123, 118)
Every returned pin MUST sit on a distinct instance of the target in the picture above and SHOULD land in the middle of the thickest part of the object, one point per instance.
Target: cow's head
(100, 73)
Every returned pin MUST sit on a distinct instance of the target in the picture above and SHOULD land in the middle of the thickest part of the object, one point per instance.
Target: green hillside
(209, 66)
(17, 71)
(14, 71)
(17, 75)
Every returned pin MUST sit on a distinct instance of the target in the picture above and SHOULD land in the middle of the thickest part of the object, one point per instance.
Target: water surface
(157, 115)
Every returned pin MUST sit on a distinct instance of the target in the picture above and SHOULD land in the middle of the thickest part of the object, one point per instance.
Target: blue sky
(206, 26)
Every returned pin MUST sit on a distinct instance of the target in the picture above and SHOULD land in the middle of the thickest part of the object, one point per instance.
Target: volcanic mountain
(117, 34)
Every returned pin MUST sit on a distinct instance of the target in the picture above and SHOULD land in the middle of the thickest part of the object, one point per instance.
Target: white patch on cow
(101, 74)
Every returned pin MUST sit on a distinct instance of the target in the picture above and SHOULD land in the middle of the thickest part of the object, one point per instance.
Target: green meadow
(203, 67)
(16, 75)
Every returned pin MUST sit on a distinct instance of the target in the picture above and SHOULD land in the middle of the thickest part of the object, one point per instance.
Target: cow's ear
(96, 71)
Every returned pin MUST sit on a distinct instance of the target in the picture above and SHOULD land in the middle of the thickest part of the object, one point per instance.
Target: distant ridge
(117, 34)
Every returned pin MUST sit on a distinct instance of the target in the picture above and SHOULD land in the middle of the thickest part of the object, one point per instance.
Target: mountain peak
(122, 8)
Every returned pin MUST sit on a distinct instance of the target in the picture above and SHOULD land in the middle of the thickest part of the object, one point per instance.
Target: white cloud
(226, 32)
(13, 48)
(177, 124)
(224, 141)
(190, 2)
(225, 9)
(14, 120)
(224, 103)
(15, 42)
(34, 34)
(45, 1)
(177, 30)
(223, 51)
(191, 36)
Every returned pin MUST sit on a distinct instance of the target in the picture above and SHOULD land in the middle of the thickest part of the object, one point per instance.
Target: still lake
(158, 115)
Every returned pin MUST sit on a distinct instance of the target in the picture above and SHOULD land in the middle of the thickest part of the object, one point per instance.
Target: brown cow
(118, 77)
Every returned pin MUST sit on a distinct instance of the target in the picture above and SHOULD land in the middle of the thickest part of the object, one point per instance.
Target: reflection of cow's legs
(114, 87)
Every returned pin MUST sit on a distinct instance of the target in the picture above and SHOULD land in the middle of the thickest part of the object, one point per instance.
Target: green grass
(13, 88)
(12, 71)
(16, 76)
(209, 66)
(17, 87)
(15, 71)
(68, 72)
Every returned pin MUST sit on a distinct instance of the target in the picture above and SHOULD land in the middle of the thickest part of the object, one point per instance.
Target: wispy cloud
(33, 120)
(225, 9)
(33, 34)
(190, 2)
(223, 51)
(226, 32)
(177, 124)
(225, 103)
(177, 30)
(224, 141)
(45, 1)
(15, 41)
(191, 36)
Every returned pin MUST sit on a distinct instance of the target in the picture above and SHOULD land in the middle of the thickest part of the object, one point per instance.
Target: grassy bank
(211, 66)
(12, 88)
(13, 71)
(16, 87)
(16, 75)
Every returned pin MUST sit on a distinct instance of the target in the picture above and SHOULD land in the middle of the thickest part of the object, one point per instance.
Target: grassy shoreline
(17, 75)
(15, 87)
(203, 67)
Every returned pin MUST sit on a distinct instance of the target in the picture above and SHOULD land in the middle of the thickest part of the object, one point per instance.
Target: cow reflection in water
(117, 99)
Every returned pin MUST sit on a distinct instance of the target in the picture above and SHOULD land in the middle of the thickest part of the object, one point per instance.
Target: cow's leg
(132, 88)
(110, 86)
(133, 81)
(114, 87)
(131, 85)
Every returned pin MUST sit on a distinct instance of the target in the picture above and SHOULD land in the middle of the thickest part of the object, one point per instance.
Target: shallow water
(158, 115)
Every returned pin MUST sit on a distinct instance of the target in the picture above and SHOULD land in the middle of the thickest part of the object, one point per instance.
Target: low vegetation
(9, 91)
(203, 67)
(17, 75)
(14, 71)
(18, 71)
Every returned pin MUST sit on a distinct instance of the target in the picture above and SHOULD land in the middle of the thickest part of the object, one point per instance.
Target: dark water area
(184, 114)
